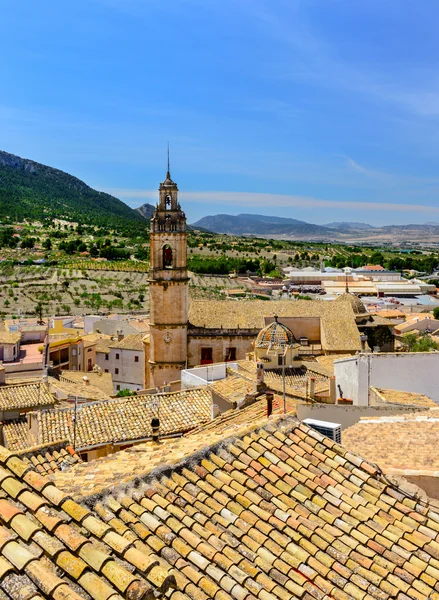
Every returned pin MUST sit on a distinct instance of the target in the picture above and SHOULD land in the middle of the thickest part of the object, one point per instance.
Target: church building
(207, 331)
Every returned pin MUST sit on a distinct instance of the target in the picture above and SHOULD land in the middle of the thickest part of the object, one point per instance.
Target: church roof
(339, 330)
(168, 181)
(274, 335)
(357, 306)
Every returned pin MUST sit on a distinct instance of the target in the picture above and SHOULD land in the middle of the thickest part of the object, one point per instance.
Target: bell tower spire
(168, 287)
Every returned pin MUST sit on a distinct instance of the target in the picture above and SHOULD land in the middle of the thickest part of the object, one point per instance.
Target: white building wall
(131, 373)
(200, 376)
(416, 372)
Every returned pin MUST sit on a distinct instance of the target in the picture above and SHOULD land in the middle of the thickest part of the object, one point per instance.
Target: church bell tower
(168, 287)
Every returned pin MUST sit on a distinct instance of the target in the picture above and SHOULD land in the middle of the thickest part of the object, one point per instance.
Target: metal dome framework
(275, 335)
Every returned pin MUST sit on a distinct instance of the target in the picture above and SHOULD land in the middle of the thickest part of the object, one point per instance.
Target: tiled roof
(124, 419)
(9, 337)
(357, 306)
(340, 332)
(406, 398)
(16, 434)
(49, 458)
(102, 341)
(51, 547)
(71, 389)
(23, 396)
(132, 341)
(232, 388)
(90, 478)
(280, 513)
(399, 443)
(101, 380)
(391, 314)
(327, 361)
(232, 421)
(296, 379)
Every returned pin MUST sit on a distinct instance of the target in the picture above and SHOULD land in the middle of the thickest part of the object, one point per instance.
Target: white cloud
(268, 201)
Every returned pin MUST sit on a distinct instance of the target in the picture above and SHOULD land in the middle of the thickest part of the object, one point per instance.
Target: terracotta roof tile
(118, 420)
(132, 341)
(23, 396)
(240, 519)
(406, 398)
(86, 479)
(339, 329)
(401, 444)
(272, 512)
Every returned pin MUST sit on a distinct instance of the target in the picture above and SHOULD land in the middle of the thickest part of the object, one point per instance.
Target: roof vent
(155, 426)
(330, 430)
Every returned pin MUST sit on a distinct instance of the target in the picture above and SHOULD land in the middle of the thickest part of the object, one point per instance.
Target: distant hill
(34, 191)
(348, 225)
(145, 210)
(246, 224)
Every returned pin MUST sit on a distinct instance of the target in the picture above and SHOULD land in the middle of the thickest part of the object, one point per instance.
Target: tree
(47, 244)
(125, 392)
(436, 312)
(377, 258)
(422, 343)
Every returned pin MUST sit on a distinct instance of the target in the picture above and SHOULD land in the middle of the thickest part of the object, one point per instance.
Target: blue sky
(319, 110)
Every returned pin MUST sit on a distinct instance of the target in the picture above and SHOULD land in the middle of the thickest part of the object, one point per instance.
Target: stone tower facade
(168, 288)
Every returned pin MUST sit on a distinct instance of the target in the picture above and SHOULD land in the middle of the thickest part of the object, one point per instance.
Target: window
(116, 371)
(107, 357)
(167, 257)
(106, 370)
(117, 356)
(136, 359)
(206, 356)
(89, 349)
(117, 387)
(280, 360)
(230, 354)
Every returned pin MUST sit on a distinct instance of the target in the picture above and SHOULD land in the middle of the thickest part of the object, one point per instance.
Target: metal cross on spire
(168, 174)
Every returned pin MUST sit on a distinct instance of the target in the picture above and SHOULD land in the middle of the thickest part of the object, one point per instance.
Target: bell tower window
(167, 257)
(168, 201)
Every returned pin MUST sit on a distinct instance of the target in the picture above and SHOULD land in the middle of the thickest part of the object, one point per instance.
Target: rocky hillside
(31, 190)
(145, 210)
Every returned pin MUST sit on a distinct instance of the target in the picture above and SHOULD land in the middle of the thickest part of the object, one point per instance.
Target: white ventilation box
(330, 430)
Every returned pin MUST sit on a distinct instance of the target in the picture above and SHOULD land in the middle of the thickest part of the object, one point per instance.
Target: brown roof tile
(400, 444)
(24, 396)
(132, 341)
(339, 329)
(121, 420)
(280, 512)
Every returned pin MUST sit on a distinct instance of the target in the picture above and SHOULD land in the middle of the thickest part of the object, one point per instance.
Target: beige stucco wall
(219, 344)
(301, 326)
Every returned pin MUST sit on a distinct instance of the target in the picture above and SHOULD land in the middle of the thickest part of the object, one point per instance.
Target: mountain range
(31, 190)
(247, 224)
(286, 228)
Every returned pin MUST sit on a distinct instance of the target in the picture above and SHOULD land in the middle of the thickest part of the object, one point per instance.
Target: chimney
(332, 390)
(269, 396)
(86, 380)
(155, 426)
(312, 387)
(120, 335)
(33, 428)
